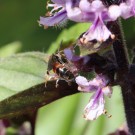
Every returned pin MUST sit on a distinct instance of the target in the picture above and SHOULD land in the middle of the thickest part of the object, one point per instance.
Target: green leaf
(20, 72)
(59, 115)
(68, 36)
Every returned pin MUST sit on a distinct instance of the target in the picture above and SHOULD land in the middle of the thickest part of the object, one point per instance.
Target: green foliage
(68, 36)
(10, 49)
(19, 22)
(20, 72)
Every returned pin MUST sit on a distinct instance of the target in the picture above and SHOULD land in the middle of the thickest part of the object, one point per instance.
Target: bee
(61, 67)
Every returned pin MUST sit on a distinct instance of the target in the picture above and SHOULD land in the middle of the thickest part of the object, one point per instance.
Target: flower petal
(74, 13)
(71, 56)
(97, 6)
(54, 20)
(83, 84)
(68, 53)
(95, 107)
(59, 1)
(114, 12)
(107, 91)
(85, 5)
(87, 86)
(98, 31)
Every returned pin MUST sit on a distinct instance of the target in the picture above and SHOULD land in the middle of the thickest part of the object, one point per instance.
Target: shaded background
(19, 23)
(20, 32)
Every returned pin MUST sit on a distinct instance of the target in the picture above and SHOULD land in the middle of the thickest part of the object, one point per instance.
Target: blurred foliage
(19, 23)
(10, 49)
(19, 31)
(68, 37)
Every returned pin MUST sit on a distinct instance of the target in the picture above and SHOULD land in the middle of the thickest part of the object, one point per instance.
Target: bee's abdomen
(64, 73)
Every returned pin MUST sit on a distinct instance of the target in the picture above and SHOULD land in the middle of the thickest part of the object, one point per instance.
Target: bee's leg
(57, 83)
(46, 82)
(47, 78)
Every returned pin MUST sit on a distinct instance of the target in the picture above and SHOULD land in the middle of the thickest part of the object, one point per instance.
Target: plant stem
(120, 51)
(22, 103)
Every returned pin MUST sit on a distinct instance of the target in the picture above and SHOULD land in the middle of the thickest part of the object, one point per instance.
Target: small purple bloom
(127, 9)
(97, 31)
(98, 15)
(100, 88)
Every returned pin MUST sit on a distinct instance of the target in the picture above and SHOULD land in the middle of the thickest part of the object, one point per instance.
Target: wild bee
(61, 67)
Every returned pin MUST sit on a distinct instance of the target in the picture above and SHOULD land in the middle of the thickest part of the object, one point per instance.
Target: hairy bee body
(63, 72)
(60, 67)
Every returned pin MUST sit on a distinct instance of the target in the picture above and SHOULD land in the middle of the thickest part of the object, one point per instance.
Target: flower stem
(121, 55)
(35, 97)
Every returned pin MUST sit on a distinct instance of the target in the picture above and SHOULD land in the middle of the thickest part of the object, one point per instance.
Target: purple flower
(127, 9)
(62, 10)
(57, 15)
(82, 63)
(97, 14)
(99, 86)
(97, 31)
(96, 11)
